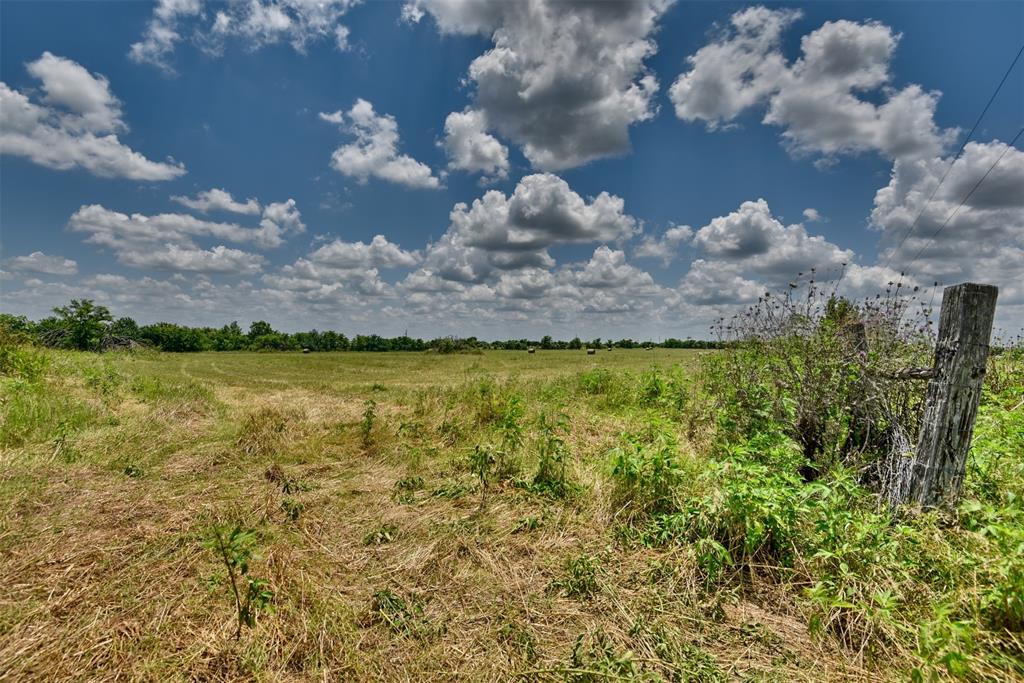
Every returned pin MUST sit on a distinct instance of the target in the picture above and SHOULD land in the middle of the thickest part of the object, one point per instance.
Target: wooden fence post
(954, 391)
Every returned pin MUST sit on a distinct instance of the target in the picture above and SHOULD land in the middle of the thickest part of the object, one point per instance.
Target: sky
(502, 169)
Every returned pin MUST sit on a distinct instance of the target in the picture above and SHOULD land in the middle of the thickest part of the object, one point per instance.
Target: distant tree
(82, 324)
(125, 328)
(228, 338)
(15, 323)
(260, 328)
(275, 341)
(575, 343)
(171, 337)
(546, 342)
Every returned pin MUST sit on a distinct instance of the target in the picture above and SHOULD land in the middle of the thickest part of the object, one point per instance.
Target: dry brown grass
(106, 577)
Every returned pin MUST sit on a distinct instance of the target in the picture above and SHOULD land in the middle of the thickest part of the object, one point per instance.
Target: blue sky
(585, 136)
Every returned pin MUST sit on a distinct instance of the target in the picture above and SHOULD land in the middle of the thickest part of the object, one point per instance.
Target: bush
(647, 471)
(552, 476)
(20, 359)
(822, 367)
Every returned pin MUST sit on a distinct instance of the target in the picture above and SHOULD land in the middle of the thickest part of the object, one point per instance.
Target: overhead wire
(957, 156)
(966, 197)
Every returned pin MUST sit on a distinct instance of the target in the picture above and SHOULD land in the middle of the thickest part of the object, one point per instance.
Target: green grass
(359, 372)
(555, 516)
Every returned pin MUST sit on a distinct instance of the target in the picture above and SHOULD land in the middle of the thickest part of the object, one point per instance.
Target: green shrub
(646, 470)
(19, 359)
(595, 382)
(552, 476)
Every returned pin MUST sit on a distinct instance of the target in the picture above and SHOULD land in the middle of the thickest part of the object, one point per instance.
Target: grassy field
(412, 517)
(357, 373)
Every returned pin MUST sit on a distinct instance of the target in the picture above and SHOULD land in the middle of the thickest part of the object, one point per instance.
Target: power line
(966, 197)
(956, 157)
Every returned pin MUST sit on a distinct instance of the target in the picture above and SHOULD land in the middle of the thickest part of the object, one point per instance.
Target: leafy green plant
(451, 490)
(595, 658)
(412, 428)
(385, 533)
(481, 461)
(595, 382)
(580, 579)
(646, 470)
(528, 523)
(404, 616)
(520, 639)
(509, 426)
(552, 456)
(409, 484)
(292, 508)
(235, 547)
(132, 469)
(367, 422)
(18, 358)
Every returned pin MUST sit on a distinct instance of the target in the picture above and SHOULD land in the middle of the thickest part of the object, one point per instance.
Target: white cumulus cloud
(38, 262)
(565, 81)
(217, 200)
(255, 23)
(75, 125)
(471, 148)
(375, 150)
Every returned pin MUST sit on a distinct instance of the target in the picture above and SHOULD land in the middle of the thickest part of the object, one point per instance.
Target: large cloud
(379, 253)
(565, 80)
(980, 240)
(167, 241)
(749, 251)
(838, 99)
(254, 22)
(115, 229)
(510, 232)
(375, 150)
(817, 100)
(735, 72)
(667, 246)
(176, 258)
(755, 239)
(75, 125)
(716, 283)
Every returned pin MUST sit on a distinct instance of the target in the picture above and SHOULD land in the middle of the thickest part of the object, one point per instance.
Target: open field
(394, 550)
(356, 373)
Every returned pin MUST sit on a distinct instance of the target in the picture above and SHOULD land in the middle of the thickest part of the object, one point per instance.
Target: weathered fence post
(951, 402)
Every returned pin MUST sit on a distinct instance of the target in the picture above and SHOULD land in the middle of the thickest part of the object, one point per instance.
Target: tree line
(86, 326)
